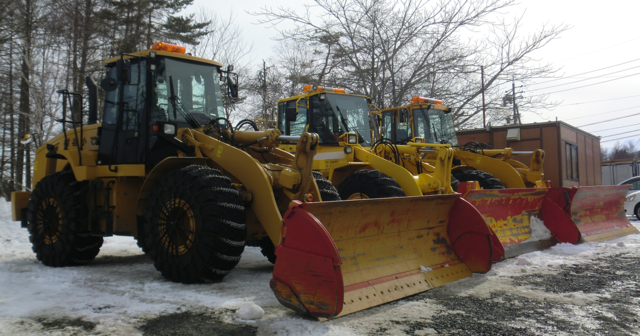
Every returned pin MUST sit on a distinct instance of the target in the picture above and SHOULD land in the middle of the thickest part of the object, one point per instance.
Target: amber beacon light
(161, 46)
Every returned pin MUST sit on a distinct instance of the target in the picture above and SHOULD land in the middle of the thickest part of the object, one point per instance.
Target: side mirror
(232, 84)
(123, 71)
(291, 114)
(109, 84)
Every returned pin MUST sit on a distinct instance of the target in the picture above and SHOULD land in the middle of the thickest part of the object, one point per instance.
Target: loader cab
(328, 112)
(423, 119)
(161, 87)
(396, 125)
(434, 125)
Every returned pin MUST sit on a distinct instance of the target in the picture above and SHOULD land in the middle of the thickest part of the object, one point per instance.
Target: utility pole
(513, 92)
(264, 91)
(516, 112)
(510, 98)
(484, 114)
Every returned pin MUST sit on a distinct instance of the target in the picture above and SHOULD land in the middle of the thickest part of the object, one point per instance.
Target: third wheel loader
(513, 196)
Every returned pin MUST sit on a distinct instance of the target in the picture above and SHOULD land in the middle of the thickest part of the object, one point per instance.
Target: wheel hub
(358, 196)
(49, 221)
(177, 226)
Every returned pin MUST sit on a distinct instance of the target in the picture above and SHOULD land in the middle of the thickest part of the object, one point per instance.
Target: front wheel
(194, 226)
(486, 180)
(637, 211)
(369, 184)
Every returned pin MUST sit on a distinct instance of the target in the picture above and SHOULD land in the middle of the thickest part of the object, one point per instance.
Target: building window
(571, 152)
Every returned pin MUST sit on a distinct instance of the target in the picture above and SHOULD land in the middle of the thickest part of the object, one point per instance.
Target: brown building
(572, 156)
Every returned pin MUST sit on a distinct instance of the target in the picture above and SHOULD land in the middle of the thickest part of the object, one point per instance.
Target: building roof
(557, 123)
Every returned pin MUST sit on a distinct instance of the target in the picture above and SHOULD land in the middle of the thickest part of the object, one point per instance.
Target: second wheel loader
(165, 167)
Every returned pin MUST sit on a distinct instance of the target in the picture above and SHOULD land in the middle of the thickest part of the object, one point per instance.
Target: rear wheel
(486, 180)
(194, 226)
(369, 184)
(327, 191)
(58, 222)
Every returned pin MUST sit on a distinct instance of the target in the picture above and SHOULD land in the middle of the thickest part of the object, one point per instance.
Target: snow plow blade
(597, 211)
(510, 213)
(336, 258)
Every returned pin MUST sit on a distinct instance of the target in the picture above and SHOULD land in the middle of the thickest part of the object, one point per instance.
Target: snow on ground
(121, 293)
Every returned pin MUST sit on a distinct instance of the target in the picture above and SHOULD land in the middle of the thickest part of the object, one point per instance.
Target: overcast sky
(603, 35)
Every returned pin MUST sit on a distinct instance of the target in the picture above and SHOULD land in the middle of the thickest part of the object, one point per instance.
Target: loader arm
(405, 179)
(251, 173)
(509, 176)
(434, 176)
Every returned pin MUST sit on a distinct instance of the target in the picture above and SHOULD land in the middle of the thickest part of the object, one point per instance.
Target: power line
(597, 101)
(608, 129)
(626, 137)
(584, 86)
(595, 51)
(603, 121)
(582, 80)
(601, 113)
(608, 136)
(588, 72)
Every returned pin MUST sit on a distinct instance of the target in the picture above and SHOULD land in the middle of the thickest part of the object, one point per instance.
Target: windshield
(337, 114)
(196, 85)
(435, 126)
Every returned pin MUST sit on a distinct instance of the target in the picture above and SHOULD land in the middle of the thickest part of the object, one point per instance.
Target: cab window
(296, 127)
(386, 125)
(403, 126)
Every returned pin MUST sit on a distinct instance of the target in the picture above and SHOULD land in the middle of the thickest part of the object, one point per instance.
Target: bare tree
(223, 42)
(392, 50)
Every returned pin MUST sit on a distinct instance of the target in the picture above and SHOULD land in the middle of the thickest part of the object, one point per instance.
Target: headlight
(353, 139)
(630, 198)
(169, 129)
(348, 150)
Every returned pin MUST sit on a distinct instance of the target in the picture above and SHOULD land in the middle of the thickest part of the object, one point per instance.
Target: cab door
(121, 123)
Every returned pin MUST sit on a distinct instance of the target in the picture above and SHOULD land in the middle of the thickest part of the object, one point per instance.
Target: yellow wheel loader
(344, 126)
(569, 214)
(166, 167)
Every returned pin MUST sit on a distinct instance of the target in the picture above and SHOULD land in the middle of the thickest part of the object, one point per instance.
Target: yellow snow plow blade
(337, 258)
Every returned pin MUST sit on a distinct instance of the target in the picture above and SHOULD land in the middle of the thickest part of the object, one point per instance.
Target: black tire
(206, 235)
(486, 180)
(58, 222)
(327, 191)
(369, 184)
(268, 249)
(455, 183)
(636, 211)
